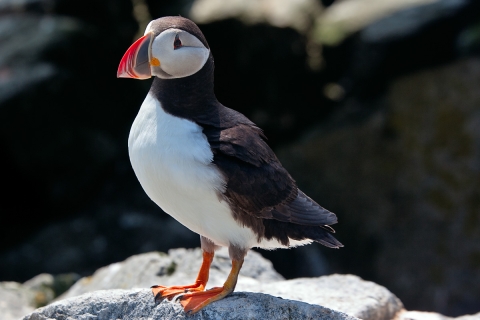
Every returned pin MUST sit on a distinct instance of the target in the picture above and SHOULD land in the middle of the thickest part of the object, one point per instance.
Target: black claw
(179, 297)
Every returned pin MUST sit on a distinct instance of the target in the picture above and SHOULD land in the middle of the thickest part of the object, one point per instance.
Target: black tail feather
(328, 240)
(283, 231)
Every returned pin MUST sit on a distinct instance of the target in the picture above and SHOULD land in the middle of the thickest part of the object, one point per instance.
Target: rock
(48, 287)
(419, 315)
(43, 286)
(15, 300)
(139, 304)
(180, 266)
(346, 17)
(410, 21)
(113, 293)
(375, 41)
(345, 293)
(387, 20)
(297, 15)
(470, 317)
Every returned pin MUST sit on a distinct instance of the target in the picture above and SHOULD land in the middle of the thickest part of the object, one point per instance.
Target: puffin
(209, 166)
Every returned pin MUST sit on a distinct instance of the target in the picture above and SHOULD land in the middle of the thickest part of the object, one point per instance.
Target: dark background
(374, 111)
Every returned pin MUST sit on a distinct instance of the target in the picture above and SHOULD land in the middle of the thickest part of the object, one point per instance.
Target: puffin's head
(172, 47)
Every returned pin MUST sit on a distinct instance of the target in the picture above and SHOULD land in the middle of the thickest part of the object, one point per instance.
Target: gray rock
(345, 293)
(346, 17)
(180, 266)
(15, 300)
(138, 304)
(410, 21)
(381, 20)
(419, 315)
(298, 15)
(42, 285)
(470, 317)
(261, 293)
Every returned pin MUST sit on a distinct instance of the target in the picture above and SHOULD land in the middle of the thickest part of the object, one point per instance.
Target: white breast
(173, 162)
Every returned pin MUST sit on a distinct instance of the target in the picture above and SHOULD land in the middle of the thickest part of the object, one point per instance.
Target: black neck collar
(191, 97)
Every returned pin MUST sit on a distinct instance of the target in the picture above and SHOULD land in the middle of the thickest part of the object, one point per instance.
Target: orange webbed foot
(162, 292)
(193, 297)
(195, 301)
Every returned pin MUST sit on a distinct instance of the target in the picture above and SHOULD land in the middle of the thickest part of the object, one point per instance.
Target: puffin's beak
(136, 61)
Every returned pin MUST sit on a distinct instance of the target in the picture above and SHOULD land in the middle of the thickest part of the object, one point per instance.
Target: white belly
(173, 162)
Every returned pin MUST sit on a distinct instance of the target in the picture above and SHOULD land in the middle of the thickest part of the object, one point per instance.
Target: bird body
(208, 166)
(173, 162)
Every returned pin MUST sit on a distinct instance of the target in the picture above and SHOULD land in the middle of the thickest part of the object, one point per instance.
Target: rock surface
(180, 266)
(345, 293)
(139, 304)
(419, 315)
(15, 300)
(120, 291)
(346, 17)
(297, 15)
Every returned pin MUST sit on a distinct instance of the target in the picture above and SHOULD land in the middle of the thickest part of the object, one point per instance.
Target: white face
(176, 54)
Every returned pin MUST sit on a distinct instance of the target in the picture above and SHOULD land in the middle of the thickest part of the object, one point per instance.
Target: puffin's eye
(177, 43)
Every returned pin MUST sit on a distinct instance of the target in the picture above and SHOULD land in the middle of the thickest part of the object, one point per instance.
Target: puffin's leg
(208, 248)
(195, 301)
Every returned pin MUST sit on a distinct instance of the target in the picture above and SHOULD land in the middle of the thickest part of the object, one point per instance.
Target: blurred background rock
(373, 106)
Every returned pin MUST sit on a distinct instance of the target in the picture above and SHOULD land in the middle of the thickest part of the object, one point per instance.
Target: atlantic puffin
(207, 165)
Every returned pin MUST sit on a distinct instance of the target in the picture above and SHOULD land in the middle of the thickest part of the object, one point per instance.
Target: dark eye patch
(177, 43)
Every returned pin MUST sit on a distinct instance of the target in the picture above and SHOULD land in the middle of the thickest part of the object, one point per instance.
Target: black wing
(257, 183)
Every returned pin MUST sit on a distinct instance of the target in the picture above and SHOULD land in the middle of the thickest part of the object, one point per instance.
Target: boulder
(139, 304)
(120, 291)
(297, 15)
(17, 299)
(346, 17)
(180, 266)
(419, 315)
(346, 293)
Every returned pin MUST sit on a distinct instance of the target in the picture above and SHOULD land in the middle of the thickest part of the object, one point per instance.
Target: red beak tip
(128, 68)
